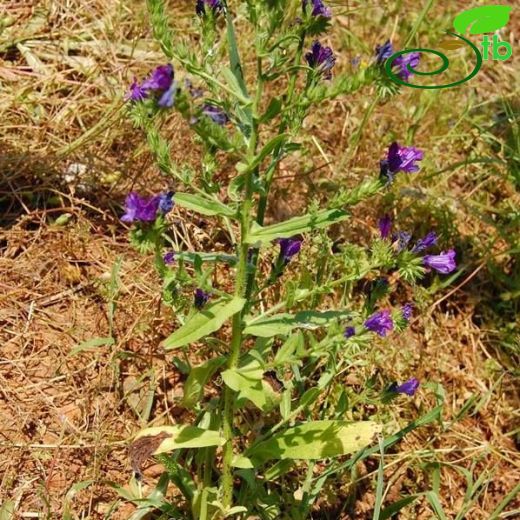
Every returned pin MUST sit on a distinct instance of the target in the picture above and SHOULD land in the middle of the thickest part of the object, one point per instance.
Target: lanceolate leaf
(206, 257)
(316, 440)
(203, 205)
(210, 319)
(295, 226)
(266, 327)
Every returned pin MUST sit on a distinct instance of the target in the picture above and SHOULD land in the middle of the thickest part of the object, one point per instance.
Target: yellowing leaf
(316, 440)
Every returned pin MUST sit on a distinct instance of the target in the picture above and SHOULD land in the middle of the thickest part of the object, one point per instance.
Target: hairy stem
(241, 290)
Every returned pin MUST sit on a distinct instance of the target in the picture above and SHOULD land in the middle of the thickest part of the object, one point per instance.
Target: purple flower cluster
(213, 6)
(160, 83)
(400, 159)
(443, 263)
(318, 8)
(146, 209)
(321, 59)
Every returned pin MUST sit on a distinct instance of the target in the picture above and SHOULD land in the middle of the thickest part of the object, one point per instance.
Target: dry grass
(65, 148)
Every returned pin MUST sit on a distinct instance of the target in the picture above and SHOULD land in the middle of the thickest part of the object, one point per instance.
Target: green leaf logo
(483, 19)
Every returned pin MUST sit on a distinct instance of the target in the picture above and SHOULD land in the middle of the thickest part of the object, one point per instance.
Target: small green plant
(253, 448)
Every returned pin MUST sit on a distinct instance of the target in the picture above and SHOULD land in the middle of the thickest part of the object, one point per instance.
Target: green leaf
(389, 511)
(248, 382)
(266, 327)
(203, 205)
(91, 344)
(265, 151)
(286, 353)
(309, 397)
(482, 19)
(316, 440)
(206, 257)
(163, 439)
(434, 501)
(235, 87)
(295, 226)
(239, 461)
(209, 320)
(199, 376)
(273, 109)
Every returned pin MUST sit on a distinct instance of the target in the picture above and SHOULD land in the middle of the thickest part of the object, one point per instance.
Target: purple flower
(216, 114)
(141, 209)
(385, 226)
(407, 311)
(380, 322)
(349, 332)
(321, 58)
(318, 8)
(402, 239)
(289, 247)
(195, 92)
(200, 298)
(166, 202)
(400, 159)
(214, 5)
(136, 92)
(408, 387)
(145, 209)
(443, 263)
(169, 257)
(167, 98)
(161, 82)
(383, 52)
(160, 79)
(404, 61)
(424, 243)
(403, 158)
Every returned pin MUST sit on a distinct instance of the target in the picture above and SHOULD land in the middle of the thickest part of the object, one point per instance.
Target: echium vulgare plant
(276, 405)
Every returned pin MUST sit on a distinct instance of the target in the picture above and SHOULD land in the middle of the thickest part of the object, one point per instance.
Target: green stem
(241, 290)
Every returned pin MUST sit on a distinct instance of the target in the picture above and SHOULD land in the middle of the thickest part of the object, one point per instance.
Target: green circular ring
(445, 64)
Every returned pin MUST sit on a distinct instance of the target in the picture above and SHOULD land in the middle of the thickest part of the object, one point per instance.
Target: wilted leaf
(450, 45)
(163, 439)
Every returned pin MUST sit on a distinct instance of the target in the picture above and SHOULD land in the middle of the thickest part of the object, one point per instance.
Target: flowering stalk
(243, 290)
